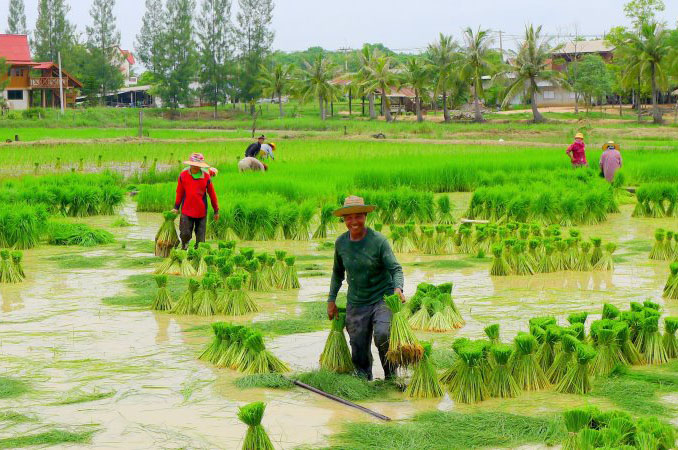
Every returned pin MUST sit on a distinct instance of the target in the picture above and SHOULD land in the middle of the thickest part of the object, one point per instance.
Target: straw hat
(611, 144)
(579, 136)
(197, 160)
(353, 205)
(272, 144)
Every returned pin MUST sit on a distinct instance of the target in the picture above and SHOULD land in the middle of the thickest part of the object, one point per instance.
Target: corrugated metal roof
(14, 48)
(595, 46)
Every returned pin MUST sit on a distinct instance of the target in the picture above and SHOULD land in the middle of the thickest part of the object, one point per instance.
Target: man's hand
(216, 217)
(332, 310)
(175, 211)
(399, 293)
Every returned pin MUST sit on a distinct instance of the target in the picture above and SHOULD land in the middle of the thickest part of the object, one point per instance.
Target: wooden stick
(341, 400)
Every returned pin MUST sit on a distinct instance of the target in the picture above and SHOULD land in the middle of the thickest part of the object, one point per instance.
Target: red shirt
(578, 154)
(192, 195)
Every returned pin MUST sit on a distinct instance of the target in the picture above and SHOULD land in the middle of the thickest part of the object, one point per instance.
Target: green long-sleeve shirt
(369, 266)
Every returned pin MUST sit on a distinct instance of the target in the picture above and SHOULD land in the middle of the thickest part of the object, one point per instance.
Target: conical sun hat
(353, 205)
(610, 144)
(198, 160)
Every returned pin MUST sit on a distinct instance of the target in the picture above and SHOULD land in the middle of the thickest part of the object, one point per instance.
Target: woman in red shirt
(577, 152)
(193, 187)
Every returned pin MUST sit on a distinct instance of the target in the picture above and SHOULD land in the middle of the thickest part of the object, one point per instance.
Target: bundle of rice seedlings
(439, 321)
(162, 300)
(239, 261)
(326, 219)
(521, 263)
(185, 304)
(545, 263)
(238, 302)
(579, 331)
(205, 299)
(75, 234)
(579, 317)
(420, 318)
(289, 280)
(560, 256)
(610, 311)
(492, 333)
(214, 351)
(403, 349)
(445, 207)
(268, 273)
(502, 383)
(255, 281)
(450, 373)
(468, 385)
(7, 272)
(465, 244)
(200, 265)
(584, 263)
(668, 245)
(233, 346)
(261, 360)
(671, 286)
(658, 251)
(573, 255)
(606, 262)
(499, 267)
(628, 349)
(607, 353)
(524, 364)
(575, 421)
(166, 238)
(169, 264)
(664, 433)
(576, 380)
(336, 356)
(563, 359)
(597, 252)
(651, 341)
(279, 266)
(547, 350)
(186, 269)
(256, 437)
(669, 340)
(424, 381)
(449, 308)
(533, 254)
(304, 220)
(17, 257)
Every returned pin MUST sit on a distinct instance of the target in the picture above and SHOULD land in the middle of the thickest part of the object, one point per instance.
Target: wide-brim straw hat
(353, 205)
(197, 160)
(579, 136)
(610, 144)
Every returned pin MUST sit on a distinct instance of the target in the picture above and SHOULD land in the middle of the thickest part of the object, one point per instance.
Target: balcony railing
(48, 82)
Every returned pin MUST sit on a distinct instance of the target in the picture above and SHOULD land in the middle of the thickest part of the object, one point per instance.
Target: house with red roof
(126, 63)
(30, 80)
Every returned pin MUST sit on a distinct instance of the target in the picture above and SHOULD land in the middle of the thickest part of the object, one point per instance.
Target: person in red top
(193, 187)
(576, 151)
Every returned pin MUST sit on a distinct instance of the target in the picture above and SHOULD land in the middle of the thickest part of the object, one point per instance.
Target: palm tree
(442, 61)
(476, 63)
(275, 82)
(530, 64)
(380, 75)
(417, 77)
(646, 52)
(315, 81)
(366, 57)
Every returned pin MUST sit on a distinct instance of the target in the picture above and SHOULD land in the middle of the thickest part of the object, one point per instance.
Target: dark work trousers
(186, 227)
(362, 322)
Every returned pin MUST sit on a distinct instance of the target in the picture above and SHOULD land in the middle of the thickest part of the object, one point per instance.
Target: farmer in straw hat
(254, 148)
(576, 151)
(610, 160)
(365, 258)
(193, 187)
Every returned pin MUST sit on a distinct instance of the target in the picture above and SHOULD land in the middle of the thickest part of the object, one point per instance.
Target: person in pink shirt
(610, 160)
(576, 151)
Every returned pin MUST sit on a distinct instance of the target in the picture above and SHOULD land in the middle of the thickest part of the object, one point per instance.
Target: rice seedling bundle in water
(546, 262)
(501, 381)
(450, 373)
(671, 287)
(521, 262)
(290, 280)
(166, 238)
(268, 272)
(59, 233)
(439, 321)
(255, 280)
(499, 267)
(608, 355)
(238, 301)
(547, 350)
(563, 358)
(420, 317)
(584, 263)
(279, 266)
(579, 317)
(628, 349)
(606, 262)
(445, 207)
(170, 264)
(404, 348)
(525, 366)
(200, 264)
(652, 348)
(336, 356)
(658, 251)
(326, 219)
(468, 384)
(17, 258)
(162, 300)
(576, 380)
(186, 269)
(256, 437)
(597, 252)
(261, 360)
(215, 350)
(232, 346)
(610, 311)
(424, 381)
(575, 421)
(492, 333)
(185, 304)
(8, 273)
(669, 340)
(205, 299)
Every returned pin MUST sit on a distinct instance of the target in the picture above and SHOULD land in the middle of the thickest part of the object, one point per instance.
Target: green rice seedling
(169, 264)
(336, 356)
(424, 381)
(501, 381)
(289, 280)
(606, 262)
(671, 286)
(279, 266)
(210, 263)
(658, 251)
(675, 245)
(304, 221)
(256, 437)
(651, 305)
(560, 256)
(524, 365)
(200, 264)
(542, 321)
(579, 317)
(261, 360)
(144, 164)
(610, 311)
(597, 252)
(499, 267)
(57, 165)
(663, 433)
(186, 303)
(608, 355)
(492, 333)
(449, 307)
(204, 300)
(255, 281)
(234, 343)
(59, 233)
(445, 208)
(522, 265)
(576, 380)
(450, 373)
(269, 273)
(439, 321)
(214, 350)
(238, 301)
(563, 358)
(572, 255)
(652, 347)
(186, 269)
(326, 220)
(668, 245)
(575, 421)
(579, 331)
(669, 340)
(162, 300)
(584, 263)
(7, 272)
(545, 263)
(465, 245)
(546, 353)
(468, 385)
(404, 349)
(17, 258)
(628, 349)
(166, 238)
(420, 318)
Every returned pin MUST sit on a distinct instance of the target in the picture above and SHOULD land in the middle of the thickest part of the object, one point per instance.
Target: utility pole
(345, 51)
(61, 87)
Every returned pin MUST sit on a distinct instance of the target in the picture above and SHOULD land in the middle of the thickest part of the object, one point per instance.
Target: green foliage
(61, 233)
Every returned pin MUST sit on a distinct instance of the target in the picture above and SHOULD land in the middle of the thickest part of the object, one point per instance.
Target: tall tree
(476, 63)
(381, 76)
(315, 81)
(53, 32)
(443, 62)
(215, 32)
(149, 41)
(103, 43)
(276, 82)
(529, 65)
(16, 20)
(417, 77)
(254, 39)
(593, 79)
(643, 11)
(366, 58)
(177, 66)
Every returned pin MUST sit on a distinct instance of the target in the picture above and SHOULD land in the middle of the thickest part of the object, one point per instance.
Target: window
(16, 72)
(15, 95)
(549, 94)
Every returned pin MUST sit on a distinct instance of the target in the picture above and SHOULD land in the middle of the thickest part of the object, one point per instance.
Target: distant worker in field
(577, 152)
(267, 151)
(193, 187)
(254, 148)
(250, 163)
(610, 160)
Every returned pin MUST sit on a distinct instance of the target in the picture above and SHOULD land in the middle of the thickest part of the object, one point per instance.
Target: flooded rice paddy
(132, 375)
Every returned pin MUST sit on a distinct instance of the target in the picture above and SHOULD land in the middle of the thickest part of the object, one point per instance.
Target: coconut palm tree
(366, 57)
(315, 81)
(276, 81)
(646, 53)
(443, 60)
(530, 64)
(416, 76)
(476, 63)
(381, 75)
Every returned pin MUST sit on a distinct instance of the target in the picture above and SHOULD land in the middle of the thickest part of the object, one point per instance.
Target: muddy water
(60, 337)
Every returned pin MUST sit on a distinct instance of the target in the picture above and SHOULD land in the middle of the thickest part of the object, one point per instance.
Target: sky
(406, 25)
